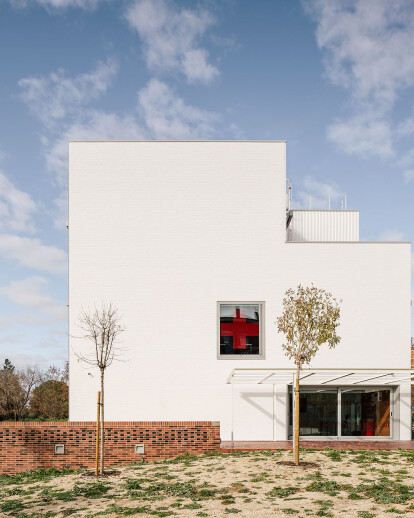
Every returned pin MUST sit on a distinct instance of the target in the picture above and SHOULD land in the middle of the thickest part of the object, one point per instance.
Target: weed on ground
(347, 484)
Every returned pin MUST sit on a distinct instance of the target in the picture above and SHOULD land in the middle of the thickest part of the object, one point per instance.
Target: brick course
(31, 445)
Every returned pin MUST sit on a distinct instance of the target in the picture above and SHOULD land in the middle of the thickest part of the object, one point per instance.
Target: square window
(240, 329)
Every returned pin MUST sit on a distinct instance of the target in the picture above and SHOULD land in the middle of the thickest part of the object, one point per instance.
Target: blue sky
(334, 78)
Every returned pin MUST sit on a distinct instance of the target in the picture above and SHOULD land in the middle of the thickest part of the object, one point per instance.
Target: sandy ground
(345, 484)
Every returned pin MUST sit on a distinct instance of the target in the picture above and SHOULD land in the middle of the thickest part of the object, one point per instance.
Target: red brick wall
(31, 445)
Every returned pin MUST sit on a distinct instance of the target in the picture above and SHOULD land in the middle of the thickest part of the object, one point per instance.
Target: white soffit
(325, 377)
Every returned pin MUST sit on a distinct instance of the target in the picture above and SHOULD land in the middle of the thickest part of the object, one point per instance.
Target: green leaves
(310, 318)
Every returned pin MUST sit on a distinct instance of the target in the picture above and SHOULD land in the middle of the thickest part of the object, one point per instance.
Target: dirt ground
(360, 484)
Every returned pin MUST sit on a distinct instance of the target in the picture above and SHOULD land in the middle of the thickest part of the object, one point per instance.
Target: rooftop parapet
(322, 225)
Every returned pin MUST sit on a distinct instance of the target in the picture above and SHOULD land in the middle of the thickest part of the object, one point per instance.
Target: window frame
(340, 389)
(243, 357)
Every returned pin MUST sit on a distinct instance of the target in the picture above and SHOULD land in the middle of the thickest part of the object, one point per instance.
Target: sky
(334, 78)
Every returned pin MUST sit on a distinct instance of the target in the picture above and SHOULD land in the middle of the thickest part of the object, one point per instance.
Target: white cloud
(171, 38)
(55, 97)
(31, 253)
(367, 47)
(391, 235)
(407, 159)
(57, 4)
(29, 293)
(408, 175)
(363, 135)
(168, 117)
(317, 194)
(406, 128)
(16, 207)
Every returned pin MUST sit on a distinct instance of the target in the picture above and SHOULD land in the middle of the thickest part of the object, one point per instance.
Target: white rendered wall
(402, 405)
(164, 230)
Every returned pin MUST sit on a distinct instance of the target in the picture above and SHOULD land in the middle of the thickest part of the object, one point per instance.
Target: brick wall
(31, 445)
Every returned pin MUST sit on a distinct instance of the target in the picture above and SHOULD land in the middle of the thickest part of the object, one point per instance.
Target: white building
(190, 241)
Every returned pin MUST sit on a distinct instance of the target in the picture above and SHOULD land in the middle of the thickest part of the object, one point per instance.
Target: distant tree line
(33, 393)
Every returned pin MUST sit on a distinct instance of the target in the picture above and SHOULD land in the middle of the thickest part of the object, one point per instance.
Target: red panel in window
(239, 329)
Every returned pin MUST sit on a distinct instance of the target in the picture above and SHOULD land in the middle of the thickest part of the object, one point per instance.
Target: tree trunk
(98, 434)
(102, 422)
(296, 432)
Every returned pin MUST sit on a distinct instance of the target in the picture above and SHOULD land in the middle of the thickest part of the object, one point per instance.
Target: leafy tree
(8, 366)
(17, 386)
(50, 400)
(11, 395)
(102, 327)
(310, 318)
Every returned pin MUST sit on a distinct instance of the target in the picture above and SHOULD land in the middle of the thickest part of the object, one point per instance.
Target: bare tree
(29, 378)
(102, 327)
(309, 319)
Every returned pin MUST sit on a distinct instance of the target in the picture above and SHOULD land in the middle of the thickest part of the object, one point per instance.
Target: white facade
(165, 231)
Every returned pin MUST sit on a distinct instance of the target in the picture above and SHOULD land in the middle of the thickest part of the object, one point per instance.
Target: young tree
(309, 319)
(102, 327)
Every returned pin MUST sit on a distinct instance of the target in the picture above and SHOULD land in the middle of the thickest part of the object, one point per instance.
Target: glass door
(342, 412)
(318, 409)
(366, 413)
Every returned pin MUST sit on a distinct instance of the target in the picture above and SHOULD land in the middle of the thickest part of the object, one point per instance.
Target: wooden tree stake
(98, 414)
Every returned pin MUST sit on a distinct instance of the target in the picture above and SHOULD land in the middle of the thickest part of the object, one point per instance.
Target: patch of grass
(193, 505)
(394, 510)
(133, 483)
(365, 514)
(333, 454)
(282, 492)
(386, 491)
(47, 514)
(183, 459)
(331, 487)
(290, 511)
(324, 506)
(11, 505)
(71, 510)
(366, 457)
(49, 494)
(92, 490)
(28, 477)
(261, 477)
(232, 510)
(207, 493)
(126, 511)
(353, 495)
